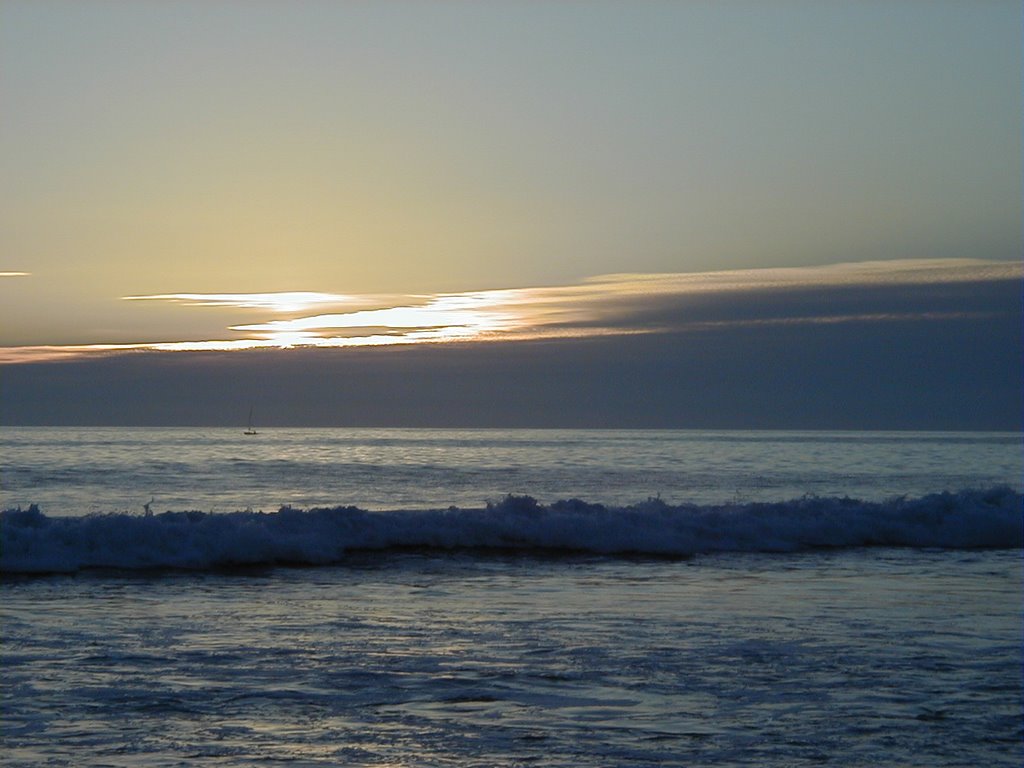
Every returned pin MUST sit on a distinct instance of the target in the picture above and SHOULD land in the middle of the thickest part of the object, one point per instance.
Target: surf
(33, 542)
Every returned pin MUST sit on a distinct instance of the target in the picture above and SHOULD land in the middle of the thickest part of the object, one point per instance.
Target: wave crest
(31, 542)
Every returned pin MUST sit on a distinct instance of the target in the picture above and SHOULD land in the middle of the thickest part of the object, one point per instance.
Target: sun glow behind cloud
(450, 316)
(600, 306)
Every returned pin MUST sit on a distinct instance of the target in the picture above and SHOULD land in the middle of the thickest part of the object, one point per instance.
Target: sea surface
(334, 597)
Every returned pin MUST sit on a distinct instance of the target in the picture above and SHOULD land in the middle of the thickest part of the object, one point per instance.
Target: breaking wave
(31, 542)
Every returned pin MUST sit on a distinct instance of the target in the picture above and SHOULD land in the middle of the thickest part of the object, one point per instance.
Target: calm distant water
(785, 599)
(79, 471)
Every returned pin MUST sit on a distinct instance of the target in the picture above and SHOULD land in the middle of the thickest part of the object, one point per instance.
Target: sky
(770, 214)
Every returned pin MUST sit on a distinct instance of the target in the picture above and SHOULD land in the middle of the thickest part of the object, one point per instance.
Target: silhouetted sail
(251, 430)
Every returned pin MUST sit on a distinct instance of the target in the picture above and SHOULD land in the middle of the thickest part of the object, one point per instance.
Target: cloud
(606, 305)
(899, 374)
(285, 301)
(912, 345)
(15, 274)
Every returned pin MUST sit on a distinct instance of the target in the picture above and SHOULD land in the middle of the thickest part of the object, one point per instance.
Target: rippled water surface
(855, 658)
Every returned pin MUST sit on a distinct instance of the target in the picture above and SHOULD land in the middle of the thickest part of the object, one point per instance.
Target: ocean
(384, 597)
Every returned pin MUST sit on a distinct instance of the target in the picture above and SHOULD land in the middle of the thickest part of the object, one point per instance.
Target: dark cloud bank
(929, 357)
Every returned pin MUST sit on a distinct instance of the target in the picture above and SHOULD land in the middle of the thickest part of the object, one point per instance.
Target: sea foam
(32, 542)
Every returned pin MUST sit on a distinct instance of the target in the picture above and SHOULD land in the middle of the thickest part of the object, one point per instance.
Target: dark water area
(861, 657)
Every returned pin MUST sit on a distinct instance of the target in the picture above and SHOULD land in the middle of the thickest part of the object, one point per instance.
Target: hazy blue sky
(470, 170)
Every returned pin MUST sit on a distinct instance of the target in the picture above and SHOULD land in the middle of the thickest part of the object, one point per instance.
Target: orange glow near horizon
(601, 306)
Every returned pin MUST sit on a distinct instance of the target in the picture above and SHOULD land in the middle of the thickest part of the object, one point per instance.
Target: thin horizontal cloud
(892, 272)
(608, 305)
(285, 301)
(15, 274)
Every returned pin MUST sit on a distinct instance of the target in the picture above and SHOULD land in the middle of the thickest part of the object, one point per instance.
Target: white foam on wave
(31, 542)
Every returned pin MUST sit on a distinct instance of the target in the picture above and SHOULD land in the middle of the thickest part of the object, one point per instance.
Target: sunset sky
(651, 213)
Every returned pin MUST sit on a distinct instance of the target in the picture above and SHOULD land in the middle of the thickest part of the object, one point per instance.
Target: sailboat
(251, 430)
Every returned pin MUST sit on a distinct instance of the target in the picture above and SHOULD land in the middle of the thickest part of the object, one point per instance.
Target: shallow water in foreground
(858, 657)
